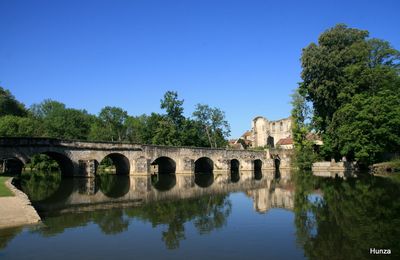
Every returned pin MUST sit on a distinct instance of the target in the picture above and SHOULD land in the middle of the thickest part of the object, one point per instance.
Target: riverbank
(4, 191)
(16, 210)
(386, 168)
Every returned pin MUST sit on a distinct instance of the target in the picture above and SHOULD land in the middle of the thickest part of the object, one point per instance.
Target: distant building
(285, 143)
(272, 133)
(243, 142)
(234, 144)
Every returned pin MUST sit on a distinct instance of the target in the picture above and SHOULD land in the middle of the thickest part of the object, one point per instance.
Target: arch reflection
(163, 182)
(114, 186)
(204, 180)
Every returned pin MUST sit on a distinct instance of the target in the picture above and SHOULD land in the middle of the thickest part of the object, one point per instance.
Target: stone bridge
(81, 158)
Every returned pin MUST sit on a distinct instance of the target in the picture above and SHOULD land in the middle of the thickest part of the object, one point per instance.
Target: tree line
(207, 127)
(349, 96)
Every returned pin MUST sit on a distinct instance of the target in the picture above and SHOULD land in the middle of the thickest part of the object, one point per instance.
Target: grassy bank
(4, 191)
(387, 167)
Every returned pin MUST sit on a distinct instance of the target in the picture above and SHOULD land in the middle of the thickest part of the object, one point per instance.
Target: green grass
(4, 191)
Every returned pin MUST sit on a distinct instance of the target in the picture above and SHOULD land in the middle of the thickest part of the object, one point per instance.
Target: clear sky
(240, 56)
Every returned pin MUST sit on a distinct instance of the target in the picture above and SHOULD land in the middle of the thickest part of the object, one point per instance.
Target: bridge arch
(257, 167)
(203, 165)
(12, 164)
(234, 165)
(165, 165)
(64, 162)
(121, 163)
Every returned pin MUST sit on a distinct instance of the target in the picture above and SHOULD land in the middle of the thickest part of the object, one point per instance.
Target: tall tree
(61, 122)
(111, 125)
(174, 107)
(9, 105)
(15, 126)
(301, 128)
(214, 124)
(343, 68)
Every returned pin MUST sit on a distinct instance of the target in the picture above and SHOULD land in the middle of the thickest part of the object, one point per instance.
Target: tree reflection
(39, 185)
(207, 213)
(8, 234)
(114, 186)
(350, 218)
(112, 221)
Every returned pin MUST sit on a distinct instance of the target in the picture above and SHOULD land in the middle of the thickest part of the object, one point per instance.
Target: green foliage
(216, 128)
(9, 105)
(15, 126)
(53, 119)
(174, 108)
(352, 83)
(368, 127)
(110, 125)
(61, 122)
(42, 163)
(4, 191)
(304, 154)
(135, 129)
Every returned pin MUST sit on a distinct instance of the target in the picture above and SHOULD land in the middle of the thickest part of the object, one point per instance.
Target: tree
(173, 106)
(214, 124)
(61, 122)
(368, 127)
(346, 64)
(46, 108)
(9, 105)
(324, 81)
(110, 125)
(193, 134)
(301, 127)
(135, 128)
(15, 126)
(166, 133)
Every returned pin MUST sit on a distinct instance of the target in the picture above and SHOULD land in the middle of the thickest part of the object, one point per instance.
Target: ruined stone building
(272, 133)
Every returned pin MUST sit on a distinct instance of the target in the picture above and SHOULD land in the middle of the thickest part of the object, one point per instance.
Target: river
(269, 215)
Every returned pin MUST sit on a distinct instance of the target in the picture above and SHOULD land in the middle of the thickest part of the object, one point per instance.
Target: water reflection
(204, 180)
(337, 218)
(333, 218)
(235, 176)
(258, 175)
(163, 181)
(39, 185)
(114, 186)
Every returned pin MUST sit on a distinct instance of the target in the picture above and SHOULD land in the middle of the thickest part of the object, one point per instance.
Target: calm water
(267, 216)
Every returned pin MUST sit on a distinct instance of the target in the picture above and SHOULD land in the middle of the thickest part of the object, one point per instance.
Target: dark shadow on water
(204, 180)
(277, 174)
(163, 181)
(235, 176)
(258, 175)
(114, 186)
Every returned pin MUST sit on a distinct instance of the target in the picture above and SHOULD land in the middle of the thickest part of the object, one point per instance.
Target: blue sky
(240, 56)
